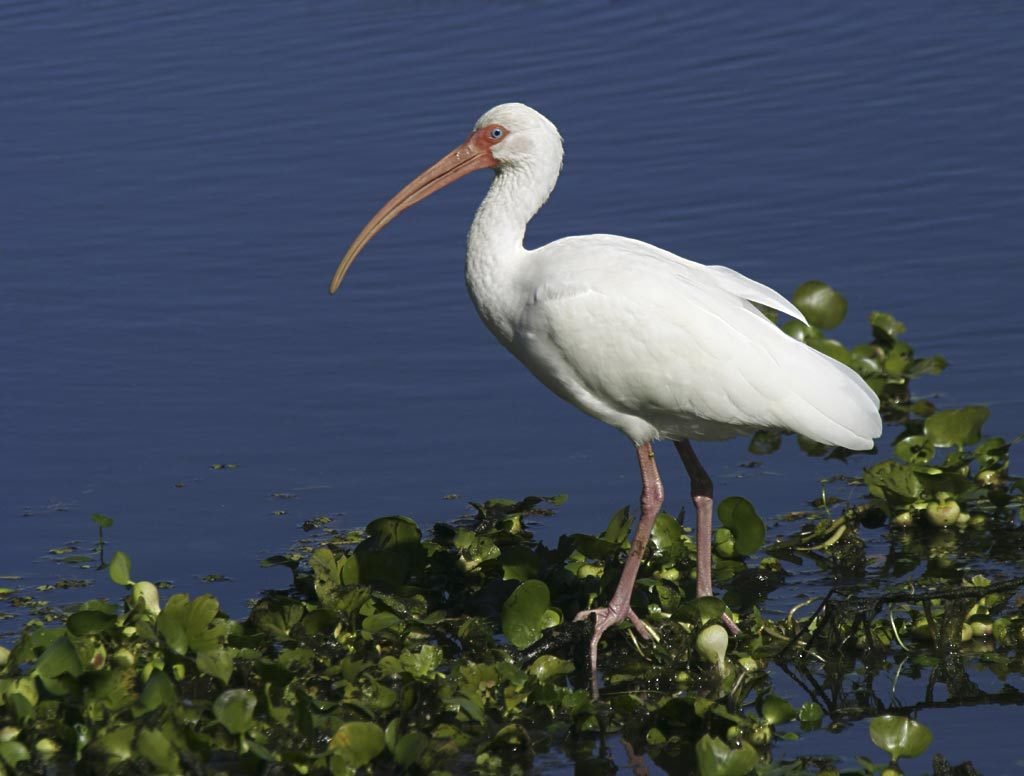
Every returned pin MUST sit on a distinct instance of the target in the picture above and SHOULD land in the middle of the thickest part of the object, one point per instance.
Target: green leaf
(410, 748)
(738, 515)
(547, 667)
(233, 709)
(893, 480)
(776, 710)
(422, 664)
(617, 531)
(380, 621)
(518, 563)
(203, 630)
(821, 304)
(157, 748)
(59, 658)
(120, 569)
(522, 615)
(158, 692)
(810, 712)
(14, 752)
(88, 622)
(217, 663)
(960, 427)
(357, 743)
(390, 554)
(717, 758)
(102, 520)
(915, 449)
(899, 736)
(117, 743)
(885, 327)
(171, 623)
(666, 532)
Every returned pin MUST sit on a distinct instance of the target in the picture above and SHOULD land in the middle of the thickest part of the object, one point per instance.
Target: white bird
(648, 342)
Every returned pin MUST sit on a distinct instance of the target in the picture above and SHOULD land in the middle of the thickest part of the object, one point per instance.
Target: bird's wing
(727, 279)
(625, 329)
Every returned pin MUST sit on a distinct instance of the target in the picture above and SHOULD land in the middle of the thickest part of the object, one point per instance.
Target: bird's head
(508, 136)
(518, 136)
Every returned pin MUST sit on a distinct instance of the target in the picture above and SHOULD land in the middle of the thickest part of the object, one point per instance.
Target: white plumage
(653, 344)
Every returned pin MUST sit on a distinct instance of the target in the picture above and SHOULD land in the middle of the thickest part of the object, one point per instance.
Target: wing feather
(630, 332)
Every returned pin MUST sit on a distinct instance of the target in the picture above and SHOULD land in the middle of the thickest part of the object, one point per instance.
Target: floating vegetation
(455, 650)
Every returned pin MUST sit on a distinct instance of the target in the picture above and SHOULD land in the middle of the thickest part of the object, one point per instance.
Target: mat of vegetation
(396, 650)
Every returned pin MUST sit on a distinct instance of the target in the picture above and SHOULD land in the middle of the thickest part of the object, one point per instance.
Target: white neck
(495, 250)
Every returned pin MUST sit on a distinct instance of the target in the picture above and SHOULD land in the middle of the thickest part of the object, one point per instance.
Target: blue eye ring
(496, 133)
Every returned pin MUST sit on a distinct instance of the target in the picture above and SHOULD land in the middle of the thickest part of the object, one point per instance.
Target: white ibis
(653, 344)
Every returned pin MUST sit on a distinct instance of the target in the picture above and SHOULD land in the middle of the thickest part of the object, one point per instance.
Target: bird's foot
(604, 618)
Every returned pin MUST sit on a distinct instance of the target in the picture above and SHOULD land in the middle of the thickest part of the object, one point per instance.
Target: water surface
(177, 186)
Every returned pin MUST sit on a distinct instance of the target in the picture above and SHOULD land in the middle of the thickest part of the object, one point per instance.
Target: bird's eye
(497, 133)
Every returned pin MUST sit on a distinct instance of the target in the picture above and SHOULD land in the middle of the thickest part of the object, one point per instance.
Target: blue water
(177, 184)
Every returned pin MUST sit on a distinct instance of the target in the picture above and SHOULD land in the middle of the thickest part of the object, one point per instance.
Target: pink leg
(703, 492)
(618, 609)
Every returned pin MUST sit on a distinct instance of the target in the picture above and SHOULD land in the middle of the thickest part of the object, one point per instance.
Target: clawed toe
(605, 618)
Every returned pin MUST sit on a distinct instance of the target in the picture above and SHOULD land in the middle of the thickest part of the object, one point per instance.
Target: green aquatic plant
(397, 648)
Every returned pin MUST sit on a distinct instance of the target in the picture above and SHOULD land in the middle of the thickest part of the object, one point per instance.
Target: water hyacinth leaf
(810, 712)
(666, 532)
(117, 744)
(156, 747)
(593, 547)
(915, 449)
(932, 365)
(86, 623)
(410, 748)
(379, 621)
(14, 752)
(821, 304)
(203, 630)
(356, 744)
(523, 614)
(899, 736)
(738, 515)
(885, 327)
(171, 623)
(102, 520)
(893, 480)
(120, 569)
(949, 428)
(146, 597)
(326, 572)
(217, 663)
(518, 563)
(898, 359)
(158, 692)
(422, 664)
(798, 331)
(547, 667)
(833, 349)
(776, 710)
(390, 554)
(717, 758)
(233, 709)
(617, 531)
(60, 658)
(706, 609)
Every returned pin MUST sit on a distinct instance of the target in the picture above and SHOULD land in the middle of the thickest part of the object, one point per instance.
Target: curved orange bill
(474, 154)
